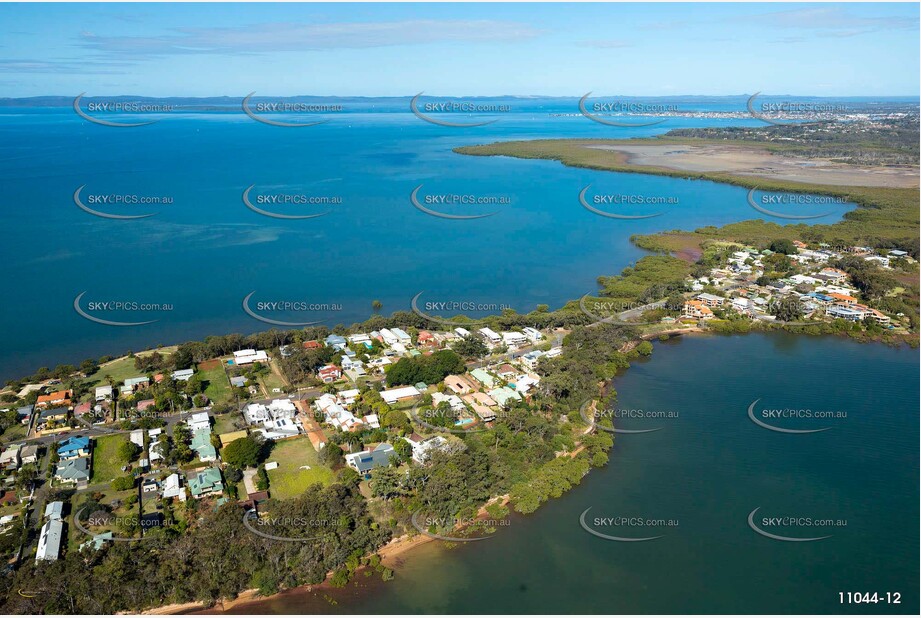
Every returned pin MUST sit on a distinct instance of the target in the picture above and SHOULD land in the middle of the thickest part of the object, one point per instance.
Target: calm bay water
(707, 469)
(204, 252)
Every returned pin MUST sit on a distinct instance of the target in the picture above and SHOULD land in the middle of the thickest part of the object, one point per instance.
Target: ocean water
(705, 469)
(203, 252)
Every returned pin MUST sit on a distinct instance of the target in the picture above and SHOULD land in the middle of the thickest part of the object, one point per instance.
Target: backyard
(289, 479)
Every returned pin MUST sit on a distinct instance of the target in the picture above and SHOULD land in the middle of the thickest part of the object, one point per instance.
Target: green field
(106, 463)
(271, 380)
(217, 384)
(224, 423)
(288, 480)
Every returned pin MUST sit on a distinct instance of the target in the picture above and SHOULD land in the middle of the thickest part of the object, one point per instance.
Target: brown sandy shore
(390, 554)
(759, 162)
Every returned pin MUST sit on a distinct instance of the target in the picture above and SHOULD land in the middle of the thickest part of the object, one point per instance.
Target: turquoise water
(205, 251)
(707, 468)
(464, 421)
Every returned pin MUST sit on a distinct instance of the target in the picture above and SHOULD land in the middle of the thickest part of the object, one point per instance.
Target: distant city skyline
(826, 50)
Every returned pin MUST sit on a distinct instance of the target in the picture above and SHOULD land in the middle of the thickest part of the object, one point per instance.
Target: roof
(74, 469)
(365, 461)
(53, 412)
(74, 444)
(55, 396)
(49, 543)
(54, 510)
(205, 481)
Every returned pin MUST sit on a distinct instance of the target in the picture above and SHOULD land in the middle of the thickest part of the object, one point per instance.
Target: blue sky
(828, 49)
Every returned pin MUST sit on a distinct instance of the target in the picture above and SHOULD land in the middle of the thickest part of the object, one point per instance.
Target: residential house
(207, 482)
(71, 448)
(388, 337)
(136, 384)
(73, 471)
(531, 359)
(400, 394)
(711, 300)
(483, 377)
(24, 414)
(55, 399)
(329, 374)
(423, 448)
(238, 381)
(173, 488)
(10, 458)
(365, 461)
(29, 454)
(49, 542)
(514, 340)
(104, 393)
(532, 334)
(425, 338)
(504, 396)
(462, 332)
(249, 356)
(199, 420)
(54, 510)
(183, 375)
(458, 385)
(491, 336)
(696, 309)
(402, 336)
(201, 444)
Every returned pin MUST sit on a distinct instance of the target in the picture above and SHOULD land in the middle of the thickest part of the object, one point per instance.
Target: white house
(532, 334)
(103, 393)
(388, 337)
(490, 335)
(249, 356)
(400, 394)
(199, 420)
(513, 339)
(462, 332)
(423, 449)
(49, 543)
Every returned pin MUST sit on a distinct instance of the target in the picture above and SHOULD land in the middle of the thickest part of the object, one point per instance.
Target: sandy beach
(761, 163)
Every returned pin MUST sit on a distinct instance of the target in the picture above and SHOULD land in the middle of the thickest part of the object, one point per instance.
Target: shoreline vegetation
(546, 449)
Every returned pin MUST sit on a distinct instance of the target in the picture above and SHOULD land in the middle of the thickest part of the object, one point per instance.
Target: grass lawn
(14, 432)
(217, 385)
(289, 480)
(107, 465)
(271, 380)
(224, 423)
(120, 370)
